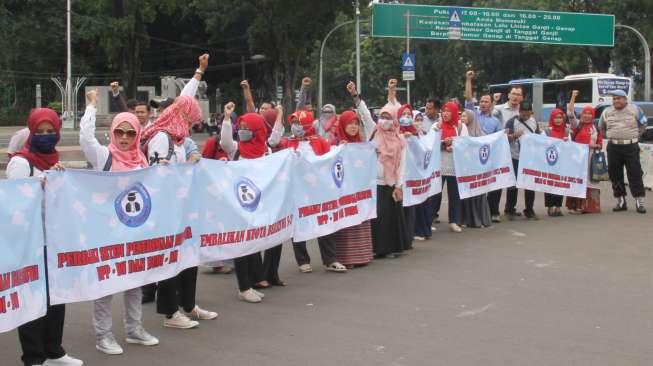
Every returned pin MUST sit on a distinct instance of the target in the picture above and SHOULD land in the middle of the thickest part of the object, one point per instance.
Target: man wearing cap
(516, 127)
(624, 123)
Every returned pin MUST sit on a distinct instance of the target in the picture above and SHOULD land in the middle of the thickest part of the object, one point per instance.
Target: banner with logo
(335, 190)
(422, 173)
(110, 232)
(22, 270)
(245, 206)
(483, 164)
(553, 166)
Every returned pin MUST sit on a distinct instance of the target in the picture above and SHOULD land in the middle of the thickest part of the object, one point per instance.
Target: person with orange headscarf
(558, 130)
(122, 154)
(584, 132)
(41, 339)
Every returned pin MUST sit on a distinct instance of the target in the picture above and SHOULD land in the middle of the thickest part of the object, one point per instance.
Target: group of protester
(136, 143)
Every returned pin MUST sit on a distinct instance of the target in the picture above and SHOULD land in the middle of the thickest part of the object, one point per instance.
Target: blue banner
(422, 175)
(483, 164)
(110, 232)
(246, 206)
(22, 270)
(553, 166)
(335, 190)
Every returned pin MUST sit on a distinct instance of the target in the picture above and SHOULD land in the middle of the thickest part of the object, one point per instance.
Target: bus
(548, 94)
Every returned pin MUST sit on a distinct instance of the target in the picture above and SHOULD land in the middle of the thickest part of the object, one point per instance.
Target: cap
(525, 106)
(618, 93)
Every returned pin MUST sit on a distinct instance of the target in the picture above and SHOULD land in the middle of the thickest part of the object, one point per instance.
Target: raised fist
(351, 88)
(470, 75)
(91, 96)
(392, 84)
(114, 86)
(204, 61)
(279, 110)
(244, 84)
(307, 81)
(229, 108)
(575, 94)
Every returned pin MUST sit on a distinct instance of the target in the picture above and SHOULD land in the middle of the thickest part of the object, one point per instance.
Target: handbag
(599, 167)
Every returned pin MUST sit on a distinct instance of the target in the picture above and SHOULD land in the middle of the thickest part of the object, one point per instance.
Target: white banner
(422, 173)
(335, 190)
(553, 166)
(483, 164)
(22, 271)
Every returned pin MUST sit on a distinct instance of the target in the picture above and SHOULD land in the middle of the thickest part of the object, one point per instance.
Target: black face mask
(44, 144)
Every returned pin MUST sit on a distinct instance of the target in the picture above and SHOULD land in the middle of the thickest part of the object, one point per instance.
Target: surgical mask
(44, 144)
(386, 124)
(405, 121)
(245, 135)
(297, 130)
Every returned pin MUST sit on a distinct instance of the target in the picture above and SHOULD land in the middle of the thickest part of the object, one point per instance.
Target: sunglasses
(122, 133)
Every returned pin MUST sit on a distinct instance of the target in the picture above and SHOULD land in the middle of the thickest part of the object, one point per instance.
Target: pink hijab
(133, 158)
(175, 119)
(389, 145)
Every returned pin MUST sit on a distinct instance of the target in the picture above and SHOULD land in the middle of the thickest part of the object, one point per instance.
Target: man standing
(432, 114)
(520, 125)
(624, 123)
(489, 124)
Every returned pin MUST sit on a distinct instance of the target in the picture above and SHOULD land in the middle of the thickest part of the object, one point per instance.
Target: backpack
(156, 158)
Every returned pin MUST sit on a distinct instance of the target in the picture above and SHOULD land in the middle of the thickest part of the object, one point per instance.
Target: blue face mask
(297, 130)
(245, 135)
(44, 144)
(405, 121)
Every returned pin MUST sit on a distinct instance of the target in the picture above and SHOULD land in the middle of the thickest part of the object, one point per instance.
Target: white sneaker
(142, 337)
(305, 268)
(419, 238)
(249, 296)
(433, 228)
(455, 228)
(200, 314)
(108, 345)
(259, 293)
(63, 361)
(179, 321)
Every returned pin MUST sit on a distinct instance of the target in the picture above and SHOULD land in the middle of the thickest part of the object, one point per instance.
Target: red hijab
(40, 160)
(583, 135)
(557, 131)
(270, 117)
(306, 119)
(133, 158)
(347, 118)
(450, 128)
(175, 119)
(257, 146)
(400, 114)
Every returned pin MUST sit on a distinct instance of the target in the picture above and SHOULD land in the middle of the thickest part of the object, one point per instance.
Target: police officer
(624, 123)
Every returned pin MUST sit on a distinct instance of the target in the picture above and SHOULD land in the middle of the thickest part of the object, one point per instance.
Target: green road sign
(494, 25)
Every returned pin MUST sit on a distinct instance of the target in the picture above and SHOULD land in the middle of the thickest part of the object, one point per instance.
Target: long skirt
(387, 231)
(354, 244)
(476, 211)
(591, 204)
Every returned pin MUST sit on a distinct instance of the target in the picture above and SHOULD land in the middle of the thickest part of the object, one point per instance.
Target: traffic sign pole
(407, 51)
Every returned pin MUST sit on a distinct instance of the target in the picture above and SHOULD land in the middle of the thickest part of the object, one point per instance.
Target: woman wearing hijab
(558, 130)
(451, 128)
(423, 211)
(584, 132)
(41, 338)
(353, 244)
(476, 210)
(304, 140)
(407, 128)
(326, 125)
(388, 229)
(122, 154)
(165, 145)
(251, 272)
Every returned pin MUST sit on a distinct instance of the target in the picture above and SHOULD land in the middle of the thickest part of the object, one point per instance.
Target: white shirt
(366, 119)
(18, 168)
(95, 153)
(17, 141)
(448, 168)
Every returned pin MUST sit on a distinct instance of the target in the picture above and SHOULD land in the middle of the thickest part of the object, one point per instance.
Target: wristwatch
(198, 71)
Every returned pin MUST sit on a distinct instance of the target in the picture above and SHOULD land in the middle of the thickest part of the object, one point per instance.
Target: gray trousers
(102, 317)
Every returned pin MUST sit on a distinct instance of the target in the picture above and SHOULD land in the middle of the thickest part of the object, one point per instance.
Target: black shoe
(621, 206)
(530, 215)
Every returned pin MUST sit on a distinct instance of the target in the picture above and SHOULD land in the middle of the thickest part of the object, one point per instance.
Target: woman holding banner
(388, 227)
(41, 339)
(122, 154)
(584, 132)
(251, 272)
(407, 128)
(558, 130)
(451, 128)
(476, 210)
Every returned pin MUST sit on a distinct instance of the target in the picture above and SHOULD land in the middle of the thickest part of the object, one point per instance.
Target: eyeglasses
(122, 133)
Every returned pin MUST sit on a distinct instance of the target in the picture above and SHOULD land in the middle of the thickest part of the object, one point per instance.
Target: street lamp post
(647, 61)
(357, 14)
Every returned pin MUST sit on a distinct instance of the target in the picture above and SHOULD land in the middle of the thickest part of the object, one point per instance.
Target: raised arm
(277, 131)
(392, 92)
(95, 153)
(227, 142)
(190, 89)
(469, 76)
(249, 99)
(117, 99)
(571, 109)
(304, 93)
(366, 118)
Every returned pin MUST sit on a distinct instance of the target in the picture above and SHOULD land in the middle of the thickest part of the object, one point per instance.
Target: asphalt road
(574, 290)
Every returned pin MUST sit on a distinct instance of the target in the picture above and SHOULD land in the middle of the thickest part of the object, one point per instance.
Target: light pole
(357, 13)
(321, 88)
(647, 61)
(69, 85)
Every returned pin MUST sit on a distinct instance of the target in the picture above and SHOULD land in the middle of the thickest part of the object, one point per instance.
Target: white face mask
(386, 124)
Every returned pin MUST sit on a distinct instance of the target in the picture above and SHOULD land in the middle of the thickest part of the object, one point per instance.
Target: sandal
(277, 282)
(261, 285)
(336, 267)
